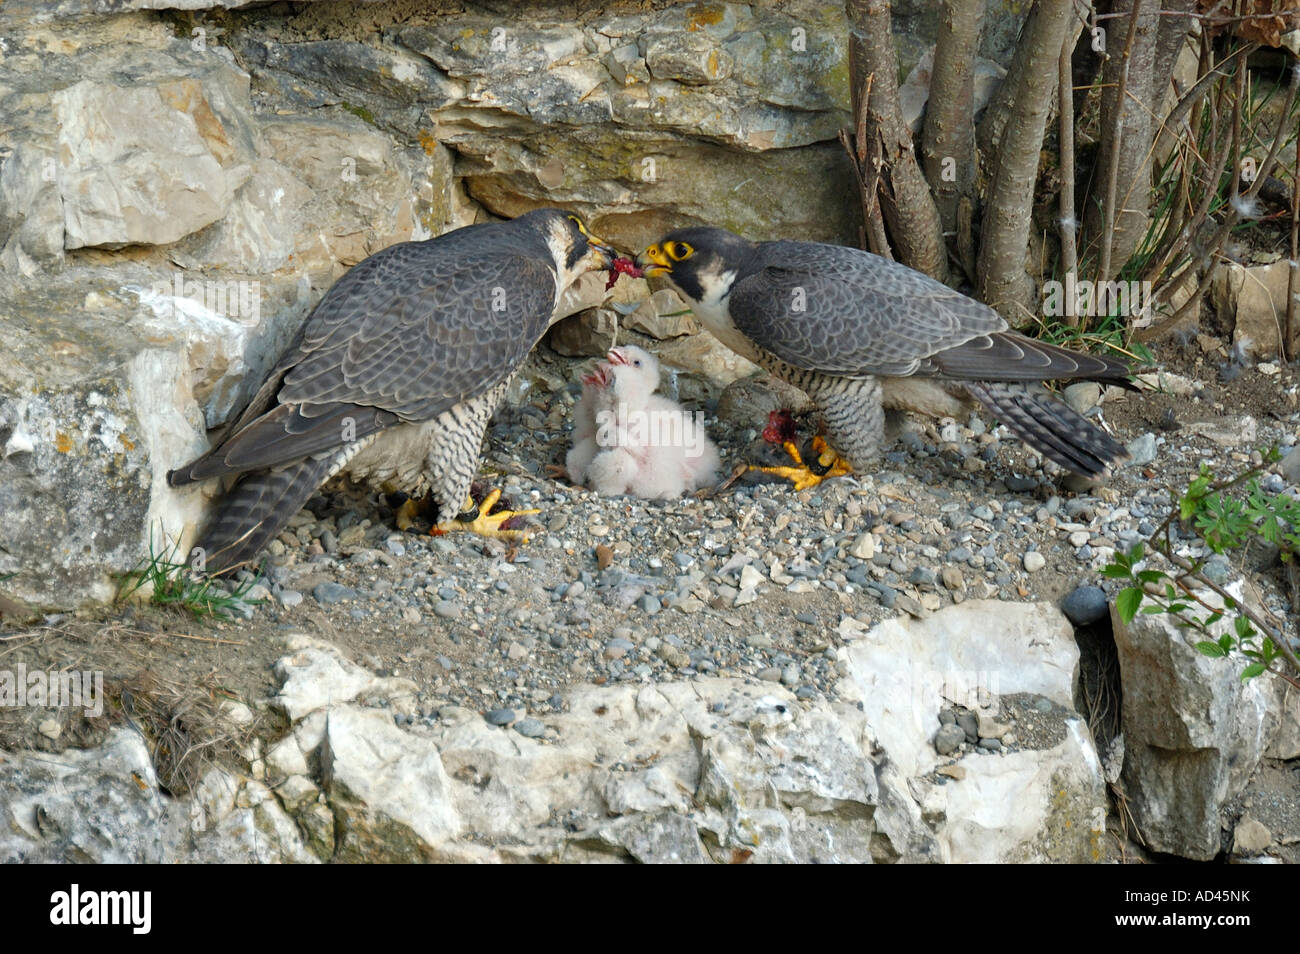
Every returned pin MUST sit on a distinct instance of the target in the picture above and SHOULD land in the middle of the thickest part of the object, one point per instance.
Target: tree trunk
(1118, 223)
(948, 140)
(1003, 283)
(905, 199)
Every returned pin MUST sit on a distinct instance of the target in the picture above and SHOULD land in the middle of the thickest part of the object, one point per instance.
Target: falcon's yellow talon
(801, 475)
(405, 516)
(486, 524)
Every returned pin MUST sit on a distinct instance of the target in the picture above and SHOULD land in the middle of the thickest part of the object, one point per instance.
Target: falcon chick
(393, 377)
(860, 334)
(629, 440)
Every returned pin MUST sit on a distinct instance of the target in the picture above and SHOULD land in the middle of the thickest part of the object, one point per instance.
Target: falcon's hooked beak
(616, 357)
(606, 253)
(654, 261)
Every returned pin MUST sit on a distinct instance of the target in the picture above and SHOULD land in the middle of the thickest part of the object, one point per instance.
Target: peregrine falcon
(393, 377)
(860, 334)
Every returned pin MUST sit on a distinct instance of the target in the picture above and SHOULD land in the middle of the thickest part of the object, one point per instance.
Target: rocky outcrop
(1252, 301)
(177, 192)
(1194, 734)
(710, 769)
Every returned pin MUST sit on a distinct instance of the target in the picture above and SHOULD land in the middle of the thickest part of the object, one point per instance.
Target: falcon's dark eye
(637, 362)
(578, 222)
(678, 251)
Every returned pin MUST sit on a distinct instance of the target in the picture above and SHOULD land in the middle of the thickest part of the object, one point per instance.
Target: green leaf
(1253, 670)
(1211, 649)
(1116, 572)
(1225, 643)
(1127, 603)
(1243, 628)
(1151, 576)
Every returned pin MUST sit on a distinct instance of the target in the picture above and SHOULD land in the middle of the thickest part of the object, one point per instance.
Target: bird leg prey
(860, 334)
(782, 431)
(392, 379)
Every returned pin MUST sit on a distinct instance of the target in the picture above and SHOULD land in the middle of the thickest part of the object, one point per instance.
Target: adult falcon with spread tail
(860, 334)
(393, 377)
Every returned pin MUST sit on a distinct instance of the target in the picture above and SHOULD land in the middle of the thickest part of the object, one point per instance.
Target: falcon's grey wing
(843, 311)
(848, 312)
(406, 334)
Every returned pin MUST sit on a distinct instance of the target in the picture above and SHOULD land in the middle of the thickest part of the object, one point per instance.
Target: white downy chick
(646, 445)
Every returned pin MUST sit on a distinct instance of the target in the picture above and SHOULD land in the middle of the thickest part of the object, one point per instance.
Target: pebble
(617, 648)
(1142, 450)
(1083, 397)
(530, 728)
(770, 674)
(328, 593)
(499, 716)
(948, 739)
(1085, 605)
(1034, 561)
(750, 577)
(447, 609)
(290, 598)
(969, 725)
(864, 547)
(1290, 466)
(1217, 569)
(1273, 483)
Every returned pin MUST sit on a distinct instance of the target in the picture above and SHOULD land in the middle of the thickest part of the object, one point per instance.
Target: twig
(1069, 228)
(1293, 282)
(1161, 541)
(1117, 134)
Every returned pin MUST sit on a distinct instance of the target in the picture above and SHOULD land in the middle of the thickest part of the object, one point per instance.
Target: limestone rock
(1254, 301)
(1250, 837)
(1020, 806)
(388, 789)
(587, 334)
(663, 315)
(704, 355)
(1193, 733)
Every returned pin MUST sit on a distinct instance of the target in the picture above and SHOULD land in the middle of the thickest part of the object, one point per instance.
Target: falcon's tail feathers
(257, 509)
(1050, 426)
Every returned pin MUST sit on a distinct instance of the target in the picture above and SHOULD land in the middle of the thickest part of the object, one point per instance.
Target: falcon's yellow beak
(604, 250)
(654, 261)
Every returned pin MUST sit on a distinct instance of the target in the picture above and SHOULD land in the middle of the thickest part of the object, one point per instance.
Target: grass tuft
(175, 585)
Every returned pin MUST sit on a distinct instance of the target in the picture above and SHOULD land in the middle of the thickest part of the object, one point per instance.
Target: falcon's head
(573, 248)
(701, 262)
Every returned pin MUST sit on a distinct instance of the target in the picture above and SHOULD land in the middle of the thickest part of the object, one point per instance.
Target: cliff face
(183, 180)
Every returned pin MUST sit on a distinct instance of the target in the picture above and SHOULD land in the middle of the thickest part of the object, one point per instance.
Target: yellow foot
(406, 514)
(801, 474)
(486, 524)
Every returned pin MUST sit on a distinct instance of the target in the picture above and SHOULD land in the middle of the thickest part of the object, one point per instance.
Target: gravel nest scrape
(752, 582)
